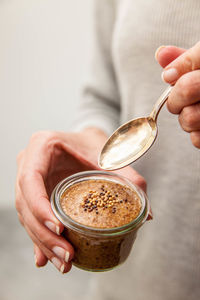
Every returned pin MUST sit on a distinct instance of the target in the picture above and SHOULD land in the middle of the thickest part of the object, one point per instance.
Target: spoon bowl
(131, 140)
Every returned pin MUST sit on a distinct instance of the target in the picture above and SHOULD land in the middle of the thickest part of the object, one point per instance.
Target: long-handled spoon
(131, 140)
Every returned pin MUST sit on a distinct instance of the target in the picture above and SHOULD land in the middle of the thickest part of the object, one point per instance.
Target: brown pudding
(101, 204)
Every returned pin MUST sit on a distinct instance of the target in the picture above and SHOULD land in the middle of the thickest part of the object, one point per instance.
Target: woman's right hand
(48, 158)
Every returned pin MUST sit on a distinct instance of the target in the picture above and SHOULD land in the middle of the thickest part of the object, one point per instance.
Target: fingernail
(157, 51)
(62, 253)
(52, 227)
(57, 230)
(35, 258)
(62, 268)
(57, 263)
(169, 75)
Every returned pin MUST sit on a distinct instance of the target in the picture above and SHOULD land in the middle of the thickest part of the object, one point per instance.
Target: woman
(124, 83)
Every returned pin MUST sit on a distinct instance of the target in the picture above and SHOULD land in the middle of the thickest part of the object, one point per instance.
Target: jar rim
(72, 224)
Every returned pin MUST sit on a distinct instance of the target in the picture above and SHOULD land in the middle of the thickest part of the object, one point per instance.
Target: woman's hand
(182, 69)
(50, 157)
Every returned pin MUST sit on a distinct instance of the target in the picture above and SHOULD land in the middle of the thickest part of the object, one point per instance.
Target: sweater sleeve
(99, 104)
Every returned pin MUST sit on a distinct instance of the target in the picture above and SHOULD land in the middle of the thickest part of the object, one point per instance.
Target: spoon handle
(159, 103)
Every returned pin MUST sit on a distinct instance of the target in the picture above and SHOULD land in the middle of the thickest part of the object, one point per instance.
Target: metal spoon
(131, 140)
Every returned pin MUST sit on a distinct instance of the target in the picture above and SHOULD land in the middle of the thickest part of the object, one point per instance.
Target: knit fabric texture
(124, 82)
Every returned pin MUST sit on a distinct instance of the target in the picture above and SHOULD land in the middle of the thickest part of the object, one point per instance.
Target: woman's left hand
(182, 69)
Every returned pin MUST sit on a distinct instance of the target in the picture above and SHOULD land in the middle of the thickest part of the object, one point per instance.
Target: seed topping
(104, 199)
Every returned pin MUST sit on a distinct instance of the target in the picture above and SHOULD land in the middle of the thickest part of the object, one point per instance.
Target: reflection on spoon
(132, 139)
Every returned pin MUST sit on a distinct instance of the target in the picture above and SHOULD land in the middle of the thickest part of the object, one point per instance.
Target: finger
(133, 176)
(20, 219)
(187, 62)
(137, 179)
(195, 138)
(61, 265)
(39, 256)
(31, 179)
(40, 259)
(189, 118)
(166, 54)
(20, 156)
(33, 190)
(58, 245)
(185, 92)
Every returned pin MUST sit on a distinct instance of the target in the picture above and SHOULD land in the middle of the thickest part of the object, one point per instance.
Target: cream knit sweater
(124, 83)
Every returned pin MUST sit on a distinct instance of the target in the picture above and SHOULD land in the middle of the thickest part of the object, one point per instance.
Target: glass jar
(99, 249)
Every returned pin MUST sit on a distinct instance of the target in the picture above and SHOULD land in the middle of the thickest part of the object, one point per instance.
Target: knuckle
(38, 208)
(35, 208)
(37, 135)
(47, 139)
(45, 239)
(189, 62)
(43, 136)
(22, 179)
(195, 53)
(186, 118)
(25, 178)
(185, 87)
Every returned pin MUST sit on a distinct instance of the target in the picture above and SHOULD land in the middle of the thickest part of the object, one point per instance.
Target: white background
(44, 53)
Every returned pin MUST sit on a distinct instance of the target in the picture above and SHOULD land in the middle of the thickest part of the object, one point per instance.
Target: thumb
(166, 54)
(184, 63)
